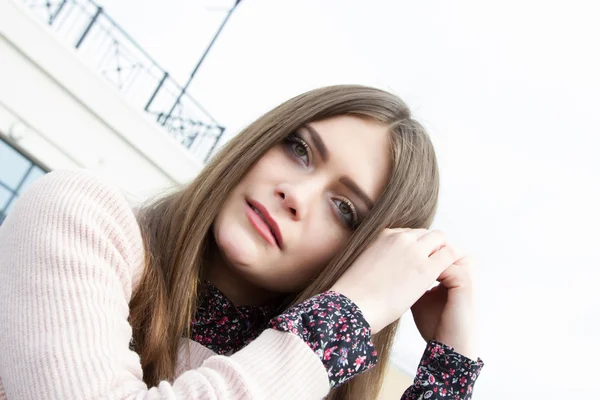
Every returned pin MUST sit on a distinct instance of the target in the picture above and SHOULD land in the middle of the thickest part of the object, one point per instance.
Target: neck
(234, 285)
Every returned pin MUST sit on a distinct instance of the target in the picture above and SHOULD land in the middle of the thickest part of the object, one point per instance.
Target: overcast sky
(509, 91)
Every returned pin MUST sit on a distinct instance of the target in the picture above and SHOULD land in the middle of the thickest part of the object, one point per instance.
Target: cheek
(273, 161)
(232, 238)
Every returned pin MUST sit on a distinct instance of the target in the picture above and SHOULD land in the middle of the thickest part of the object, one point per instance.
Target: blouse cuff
(445, 371)
(335, 329)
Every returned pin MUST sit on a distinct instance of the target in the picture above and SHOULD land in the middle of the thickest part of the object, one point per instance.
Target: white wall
(73, 118)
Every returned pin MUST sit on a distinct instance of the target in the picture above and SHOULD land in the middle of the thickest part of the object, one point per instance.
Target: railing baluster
(215, 142)
(162, 81)
(58, 10)
(87, 29)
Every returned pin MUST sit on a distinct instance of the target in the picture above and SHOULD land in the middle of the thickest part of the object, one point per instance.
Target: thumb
(457, 274)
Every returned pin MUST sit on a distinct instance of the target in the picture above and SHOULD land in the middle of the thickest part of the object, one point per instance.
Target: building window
(17, 172)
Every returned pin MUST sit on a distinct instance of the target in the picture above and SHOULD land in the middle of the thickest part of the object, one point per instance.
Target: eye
(347, 212)
(298, 147)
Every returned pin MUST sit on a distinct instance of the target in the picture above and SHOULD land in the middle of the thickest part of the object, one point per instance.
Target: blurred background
(145, 92)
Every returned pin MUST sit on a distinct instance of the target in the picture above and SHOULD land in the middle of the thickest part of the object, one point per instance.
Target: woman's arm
(335, 329)
(69, 252)
(444, 374)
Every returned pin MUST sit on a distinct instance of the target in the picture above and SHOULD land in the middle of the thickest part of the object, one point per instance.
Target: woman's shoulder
(78, 206)
(78, 193)
(74, 185)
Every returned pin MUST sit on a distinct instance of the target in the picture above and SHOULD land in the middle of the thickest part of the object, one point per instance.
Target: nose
(294, 198)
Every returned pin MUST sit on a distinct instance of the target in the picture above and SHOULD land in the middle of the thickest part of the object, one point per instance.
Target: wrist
(464, 347)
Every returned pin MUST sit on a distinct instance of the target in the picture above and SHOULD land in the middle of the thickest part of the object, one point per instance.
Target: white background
(509, 91)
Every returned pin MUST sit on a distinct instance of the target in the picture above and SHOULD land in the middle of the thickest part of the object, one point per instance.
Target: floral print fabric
(335, 329)
(224, 327)
(444, 374)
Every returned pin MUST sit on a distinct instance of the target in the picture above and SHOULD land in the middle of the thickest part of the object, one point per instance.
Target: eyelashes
(298, 147)
(347, 212)
(344, 208)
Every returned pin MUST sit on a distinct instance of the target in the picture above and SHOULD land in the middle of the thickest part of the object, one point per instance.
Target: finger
(419, 232)
(455, 276)
(443, 258)
(448, 273)
(465, 260)
(398, 230)
(432, 241)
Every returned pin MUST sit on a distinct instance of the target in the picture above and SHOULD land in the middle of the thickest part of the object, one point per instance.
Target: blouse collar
(223, 327)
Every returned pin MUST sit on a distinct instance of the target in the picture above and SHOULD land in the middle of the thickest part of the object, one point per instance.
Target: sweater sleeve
(69, 252)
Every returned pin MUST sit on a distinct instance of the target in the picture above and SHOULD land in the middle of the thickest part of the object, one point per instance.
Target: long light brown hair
(176, 228)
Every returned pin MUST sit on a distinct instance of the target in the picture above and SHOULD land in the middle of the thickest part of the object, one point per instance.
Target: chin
(243, 251)
(235, 249)
(239, 250)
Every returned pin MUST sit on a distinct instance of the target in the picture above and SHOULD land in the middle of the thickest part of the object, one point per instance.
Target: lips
(272, 232)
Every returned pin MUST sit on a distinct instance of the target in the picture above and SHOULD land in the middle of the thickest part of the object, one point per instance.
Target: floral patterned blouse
(335, 329)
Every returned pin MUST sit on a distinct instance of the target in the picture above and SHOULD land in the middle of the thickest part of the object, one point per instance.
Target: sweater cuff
(445, 371)
(335, 329)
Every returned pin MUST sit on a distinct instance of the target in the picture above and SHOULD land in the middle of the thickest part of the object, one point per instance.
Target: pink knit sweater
(71, 255)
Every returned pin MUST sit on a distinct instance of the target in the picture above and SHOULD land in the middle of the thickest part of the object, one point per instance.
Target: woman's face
(297, 207)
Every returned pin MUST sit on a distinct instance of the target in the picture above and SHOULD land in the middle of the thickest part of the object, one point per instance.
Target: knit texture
(71, 254)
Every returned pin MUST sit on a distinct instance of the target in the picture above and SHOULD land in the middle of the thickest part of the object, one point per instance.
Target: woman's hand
(394, 272)
(445, 313)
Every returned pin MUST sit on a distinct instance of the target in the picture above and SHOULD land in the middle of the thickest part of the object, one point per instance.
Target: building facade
(77, 92)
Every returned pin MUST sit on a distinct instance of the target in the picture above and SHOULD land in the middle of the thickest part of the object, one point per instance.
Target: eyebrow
(350, 184)
(319, 144)
(324, 153)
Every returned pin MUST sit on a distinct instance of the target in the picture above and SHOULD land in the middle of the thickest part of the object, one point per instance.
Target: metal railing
(107, 48)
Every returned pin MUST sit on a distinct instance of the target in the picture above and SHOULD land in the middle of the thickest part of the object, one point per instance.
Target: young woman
(280, 271)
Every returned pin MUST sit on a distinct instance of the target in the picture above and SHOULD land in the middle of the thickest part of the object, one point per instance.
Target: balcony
(107, 48)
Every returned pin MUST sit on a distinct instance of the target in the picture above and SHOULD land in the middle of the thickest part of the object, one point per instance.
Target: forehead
(359, 149)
